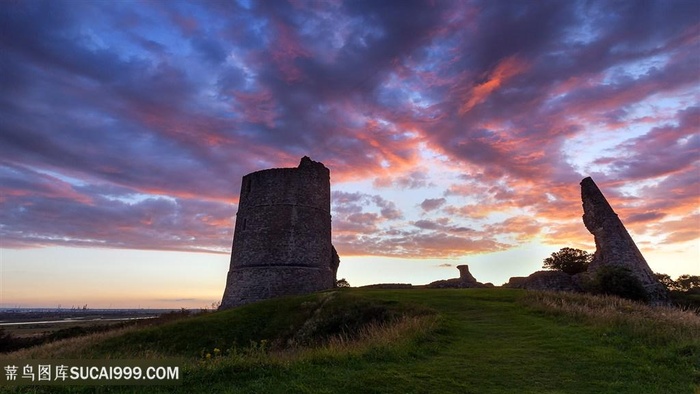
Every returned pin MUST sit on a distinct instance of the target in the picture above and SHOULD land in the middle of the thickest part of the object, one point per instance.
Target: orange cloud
(504, 71)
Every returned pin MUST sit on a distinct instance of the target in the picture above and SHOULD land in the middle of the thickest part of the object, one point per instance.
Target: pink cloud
(286, 49)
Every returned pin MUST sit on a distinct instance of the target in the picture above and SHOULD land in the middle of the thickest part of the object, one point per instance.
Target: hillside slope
(415, 341)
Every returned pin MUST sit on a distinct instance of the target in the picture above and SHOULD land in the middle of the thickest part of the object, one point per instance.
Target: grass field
(415, 341)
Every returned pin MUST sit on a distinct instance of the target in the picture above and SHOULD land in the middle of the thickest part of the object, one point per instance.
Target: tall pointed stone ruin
(614, 245)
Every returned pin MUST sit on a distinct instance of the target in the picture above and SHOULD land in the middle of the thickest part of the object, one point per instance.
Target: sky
(456, 132)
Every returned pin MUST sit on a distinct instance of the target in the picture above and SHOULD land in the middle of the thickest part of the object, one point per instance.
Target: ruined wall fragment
(614, 245)
(466, 280)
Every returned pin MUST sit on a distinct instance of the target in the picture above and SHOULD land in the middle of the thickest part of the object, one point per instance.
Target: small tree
(342, 283)
(688, 282)
(666, 280)
(684, 283)
(570, 260)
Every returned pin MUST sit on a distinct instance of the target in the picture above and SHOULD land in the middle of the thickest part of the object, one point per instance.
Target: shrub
(619, 281)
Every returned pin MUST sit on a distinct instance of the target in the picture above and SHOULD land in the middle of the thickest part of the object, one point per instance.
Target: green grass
(421, 341)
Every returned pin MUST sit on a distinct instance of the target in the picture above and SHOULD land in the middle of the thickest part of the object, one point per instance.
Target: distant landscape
(26, 327)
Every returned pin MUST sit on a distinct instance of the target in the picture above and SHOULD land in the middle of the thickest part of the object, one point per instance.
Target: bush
(619, 281)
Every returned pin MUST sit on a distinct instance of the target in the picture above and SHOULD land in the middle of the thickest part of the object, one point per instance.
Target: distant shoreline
(71, 320)
(39, 316)
(89, 310)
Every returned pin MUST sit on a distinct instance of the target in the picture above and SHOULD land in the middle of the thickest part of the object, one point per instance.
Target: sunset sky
(456, 132)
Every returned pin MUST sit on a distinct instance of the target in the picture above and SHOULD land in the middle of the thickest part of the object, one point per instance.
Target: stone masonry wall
(614, 245)
(282, 237)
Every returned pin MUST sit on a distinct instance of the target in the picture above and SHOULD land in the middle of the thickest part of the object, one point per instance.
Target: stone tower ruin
(282, 237)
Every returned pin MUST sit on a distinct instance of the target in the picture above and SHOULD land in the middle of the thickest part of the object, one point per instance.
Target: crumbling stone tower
(282, 237)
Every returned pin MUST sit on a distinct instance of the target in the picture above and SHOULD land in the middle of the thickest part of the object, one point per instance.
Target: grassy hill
(415, 341)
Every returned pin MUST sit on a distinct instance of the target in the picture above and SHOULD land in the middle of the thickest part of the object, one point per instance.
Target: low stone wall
(545, 280)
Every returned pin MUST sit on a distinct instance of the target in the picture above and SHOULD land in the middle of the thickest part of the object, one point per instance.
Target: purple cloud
(430, 204)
